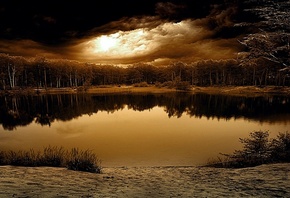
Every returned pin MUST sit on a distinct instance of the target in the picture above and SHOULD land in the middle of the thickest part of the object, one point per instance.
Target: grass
(74, 159)
(257, 149)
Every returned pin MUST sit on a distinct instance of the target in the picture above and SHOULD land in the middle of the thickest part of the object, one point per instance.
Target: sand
(223, 90)
(262, 181)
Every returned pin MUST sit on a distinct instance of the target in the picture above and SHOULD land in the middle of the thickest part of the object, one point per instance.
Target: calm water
(140, 129)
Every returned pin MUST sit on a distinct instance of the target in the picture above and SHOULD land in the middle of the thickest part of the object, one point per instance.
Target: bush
(177, 84)
(168, 84)
(280, 148)
(182, 85)
(141, 84)
(257, 149)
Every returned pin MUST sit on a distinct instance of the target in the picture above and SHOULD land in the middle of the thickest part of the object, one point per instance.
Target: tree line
(20, 72)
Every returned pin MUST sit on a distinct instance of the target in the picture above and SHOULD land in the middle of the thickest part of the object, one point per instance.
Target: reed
(80, 160)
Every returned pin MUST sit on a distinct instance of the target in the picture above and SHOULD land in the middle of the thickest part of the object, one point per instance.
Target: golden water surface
(141, 138)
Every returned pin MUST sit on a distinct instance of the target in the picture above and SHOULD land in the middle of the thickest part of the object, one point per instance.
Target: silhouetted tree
(270, 43)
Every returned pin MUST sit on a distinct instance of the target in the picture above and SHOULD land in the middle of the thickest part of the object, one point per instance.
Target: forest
(265, 60)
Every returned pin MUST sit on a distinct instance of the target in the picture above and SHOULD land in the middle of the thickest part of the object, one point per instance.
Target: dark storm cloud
(143, 30)
(168, 9)
(126, 24)
(28, 48)
(49, 21)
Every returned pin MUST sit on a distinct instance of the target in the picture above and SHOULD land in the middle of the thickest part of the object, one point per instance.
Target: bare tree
(270, 43)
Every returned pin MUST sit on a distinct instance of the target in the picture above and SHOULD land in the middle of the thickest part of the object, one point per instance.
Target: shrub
(168, 84)
(182, 85)
(257, 149)
(280, 148)
(158, 84)
(141, 84)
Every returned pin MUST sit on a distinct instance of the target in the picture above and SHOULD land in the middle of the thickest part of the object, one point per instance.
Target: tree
(3, 73)
(10, 69)
(270, 42)
(134, 75)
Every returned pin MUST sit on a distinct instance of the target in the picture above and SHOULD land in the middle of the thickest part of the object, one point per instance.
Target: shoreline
(249, 91)
(262, 181)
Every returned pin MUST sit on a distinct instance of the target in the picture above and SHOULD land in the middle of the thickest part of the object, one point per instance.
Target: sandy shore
(224, 90)
(244, 90)
(262, 181)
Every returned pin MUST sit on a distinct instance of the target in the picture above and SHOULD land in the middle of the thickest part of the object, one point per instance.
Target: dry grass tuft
(75, 159)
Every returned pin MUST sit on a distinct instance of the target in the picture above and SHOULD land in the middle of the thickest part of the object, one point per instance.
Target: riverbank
(224, 90)
(244, 90)
(262, 181)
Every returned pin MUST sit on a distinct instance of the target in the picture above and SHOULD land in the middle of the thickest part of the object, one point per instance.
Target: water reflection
(140, 129)
(45, 109)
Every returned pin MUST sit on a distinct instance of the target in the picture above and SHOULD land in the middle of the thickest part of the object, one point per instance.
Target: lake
(169, 129)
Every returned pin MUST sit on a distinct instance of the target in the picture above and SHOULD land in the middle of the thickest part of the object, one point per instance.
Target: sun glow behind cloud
(104, 43)
(154, 38)
(119, 45)
(160, 40)
(157, 44)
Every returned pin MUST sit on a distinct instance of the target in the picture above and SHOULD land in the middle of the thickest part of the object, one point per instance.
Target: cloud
(45, 19)
(126, 24)
(186, 40)
(168, 9)
(168, 36)
(26, 48)
(150, 41)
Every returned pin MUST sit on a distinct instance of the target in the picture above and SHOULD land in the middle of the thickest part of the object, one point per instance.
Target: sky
(120, 32)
